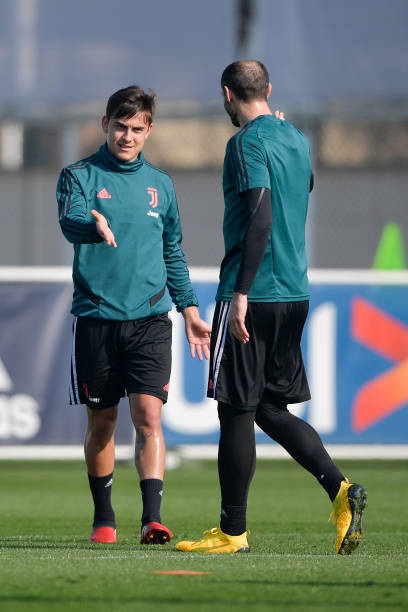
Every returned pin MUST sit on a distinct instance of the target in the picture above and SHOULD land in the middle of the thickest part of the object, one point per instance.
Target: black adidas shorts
(113, 358)
(269, 367)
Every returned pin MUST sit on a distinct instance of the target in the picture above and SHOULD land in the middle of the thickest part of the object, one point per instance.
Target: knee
(268, 414)
(101, 425)
(146, 416)
(260, 418)
(148, 420)
(148, 428)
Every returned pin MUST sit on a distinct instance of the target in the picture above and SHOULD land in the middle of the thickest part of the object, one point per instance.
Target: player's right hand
(103, 229)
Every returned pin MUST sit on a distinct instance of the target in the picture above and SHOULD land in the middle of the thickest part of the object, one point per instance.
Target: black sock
(236, 466)
(330, 481)
(152, 491)
(101, 488)
(302, 442)
(233, 519)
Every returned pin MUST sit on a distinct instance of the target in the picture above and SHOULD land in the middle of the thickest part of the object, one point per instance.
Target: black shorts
(113, 358)
(269, 368)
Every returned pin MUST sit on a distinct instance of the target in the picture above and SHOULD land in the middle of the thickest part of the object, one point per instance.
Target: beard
(231, 113)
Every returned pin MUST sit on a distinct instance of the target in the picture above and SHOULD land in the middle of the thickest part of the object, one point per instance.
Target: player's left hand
(198, 333)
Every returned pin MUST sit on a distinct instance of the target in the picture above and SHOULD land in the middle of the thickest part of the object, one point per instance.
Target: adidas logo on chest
(103, 194)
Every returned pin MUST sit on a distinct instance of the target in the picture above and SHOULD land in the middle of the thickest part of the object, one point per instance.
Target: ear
(269, 90)
(105, 123)
(149, 129)
(228, 93)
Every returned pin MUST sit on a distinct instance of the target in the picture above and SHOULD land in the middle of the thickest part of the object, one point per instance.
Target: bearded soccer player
(256, 365)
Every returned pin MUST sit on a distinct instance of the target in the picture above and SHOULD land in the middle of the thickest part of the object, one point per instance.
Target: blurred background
(339, 71)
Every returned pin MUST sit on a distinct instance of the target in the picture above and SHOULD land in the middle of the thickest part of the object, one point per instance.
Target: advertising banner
(355, 348)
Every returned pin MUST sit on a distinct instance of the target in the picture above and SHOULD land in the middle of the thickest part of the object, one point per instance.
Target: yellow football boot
(348, 508)
(216, 541)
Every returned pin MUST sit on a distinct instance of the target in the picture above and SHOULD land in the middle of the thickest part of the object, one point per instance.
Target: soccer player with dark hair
(256, 364)
(121, 215)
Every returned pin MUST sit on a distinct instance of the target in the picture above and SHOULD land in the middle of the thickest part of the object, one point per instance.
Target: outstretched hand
(198, 333)
(103, 229)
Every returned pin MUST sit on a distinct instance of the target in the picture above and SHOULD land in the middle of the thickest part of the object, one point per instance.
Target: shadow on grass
(44, 544)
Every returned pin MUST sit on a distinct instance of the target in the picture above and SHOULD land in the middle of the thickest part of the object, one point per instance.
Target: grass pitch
(47, 563)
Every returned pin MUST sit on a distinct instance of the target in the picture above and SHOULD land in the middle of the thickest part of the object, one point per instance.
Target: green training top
(147, 270)
(268, 152)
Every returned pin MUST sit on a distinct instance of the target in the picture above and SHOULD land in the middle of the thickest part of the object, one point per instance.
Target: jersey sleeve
(258, 204)
(247, 162)
(76, 221)
(178, 278)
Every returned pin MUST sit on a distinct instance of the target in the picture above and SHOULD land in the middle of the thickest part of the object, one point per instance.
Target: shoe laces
(210, 532)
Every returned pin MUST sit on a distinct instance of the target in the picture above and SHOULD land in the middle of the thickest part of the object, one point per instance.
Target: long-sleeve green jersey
(147, 271)
(268, 153)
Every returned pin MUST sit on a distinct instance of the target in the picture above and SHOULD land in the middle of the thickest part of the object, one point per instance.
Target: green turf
(46, 562)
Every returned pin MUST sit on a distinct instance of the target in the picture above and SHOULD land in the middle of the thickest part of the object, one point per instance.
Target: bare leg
(150, 456)
(100, 461)
(99, 441)
(150, 450)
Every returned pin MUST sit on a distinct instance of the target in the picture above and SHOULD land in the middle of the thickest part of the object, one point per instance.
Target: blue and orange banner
(355, 348)
(370, 348)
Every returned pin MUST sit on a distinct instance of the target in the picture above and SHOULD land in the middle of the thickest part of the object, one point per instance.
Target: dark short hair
(248, 79)
(131, 100)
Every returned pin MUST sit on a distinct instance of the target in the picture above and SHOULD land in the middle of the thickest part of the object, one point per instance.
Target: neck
(249, 112)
